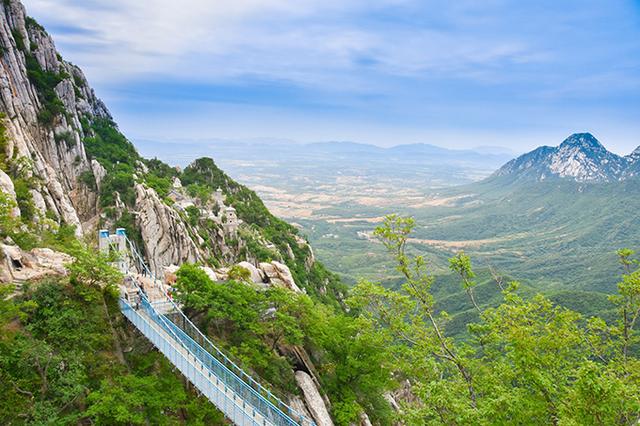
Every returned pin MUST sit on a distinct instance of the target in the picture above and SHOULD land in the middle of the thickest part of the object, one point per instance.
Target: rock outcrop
(297, 404)
(313, 399)
(165, 235)
(6, 186)
(257, 276)
(279, 274)
(18, 265)
(580, 158)
(50, 143)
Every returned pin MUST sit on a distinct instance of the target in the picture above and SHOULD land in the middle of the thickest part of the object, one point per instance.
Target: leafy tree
(134, 400)
(528, 361)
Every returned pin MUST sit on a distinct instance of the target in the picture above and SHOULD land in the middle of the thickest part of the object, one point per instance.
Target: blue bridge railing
(251, 404)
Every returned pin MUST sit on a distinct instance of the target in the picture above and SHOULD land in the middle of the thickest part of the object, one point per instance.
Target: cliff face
(44, 100)
(63, 160)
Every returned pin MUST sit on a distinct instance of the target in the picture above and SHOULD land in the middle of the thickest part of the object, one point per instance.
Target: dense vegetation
(256, 327)
(524, 361)
(203, 177)
(528, 361)
(67, 356)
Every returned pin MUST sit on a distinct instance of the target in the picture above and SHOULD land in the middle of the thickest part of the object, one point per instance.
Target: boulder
(313, 399)
(257, 276)
(210, 273)
(285, 276)
(279, 274)
(20, 266)
(170, 276)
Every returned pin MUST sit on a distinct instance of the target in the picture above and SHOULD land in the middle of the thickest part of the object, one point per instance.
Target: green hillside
(558, 234)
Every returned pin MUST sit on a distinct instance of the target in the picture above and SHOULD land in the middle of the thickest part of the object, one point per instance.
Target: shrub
(162, 185)
(45, 83)
(66, 137)
(119, 179)
(109, 146)
(88, 178)
(194, 215)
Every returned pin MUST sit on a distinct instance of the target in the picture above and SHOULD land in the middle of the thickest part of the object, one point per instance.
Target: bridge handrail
(253, 386)
(126, 306)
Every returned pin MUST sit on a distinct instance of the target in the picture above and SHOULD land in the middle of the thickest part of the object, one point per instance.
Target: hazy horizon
(456, 75)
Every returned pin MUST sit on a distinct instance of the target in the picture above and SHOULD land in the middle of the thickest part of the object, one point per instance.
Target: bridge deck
(193, 368)
(145, 303)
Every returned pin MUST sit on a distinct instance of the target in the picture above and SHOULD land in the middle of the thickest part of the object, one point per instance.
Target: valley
(559, 233)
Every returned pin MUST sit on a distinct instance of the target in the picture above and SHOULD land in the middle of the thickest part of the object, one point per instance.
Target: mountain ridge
(581, 157)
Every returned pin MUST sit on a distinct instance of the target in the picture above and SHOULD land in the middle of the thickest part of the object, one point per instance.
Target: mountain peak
(582, 140)
(580, 157)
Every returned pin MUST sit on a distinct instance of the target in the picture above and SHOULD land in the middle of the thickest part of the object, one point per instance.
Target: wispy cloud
(408, 66)
(303, 41)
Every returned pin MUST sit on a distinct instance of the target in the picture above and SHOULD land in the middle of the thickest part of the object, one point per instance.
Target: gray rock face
(313, 399)
(165, 235)
(54, 149)
(298, 404)
(279, 274)
(6, 186)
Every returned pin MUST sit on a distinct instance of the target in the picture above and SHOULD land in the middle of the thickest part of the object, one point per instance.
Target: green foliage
(4, 141)
(528, 361)
(67, 137)
(238, 273)
(119, 179)
(19, 39)
(162, 185)
(31, 23)
(88, 178)
(234, 313)
(45, 83)
(161, 169)
(109, 146)
(254, 325)
(193, 215)
(92, 270)
(61, 362)
(356, 368)
(134, 400)
(9, 225)
(202, 192)
(24, 198)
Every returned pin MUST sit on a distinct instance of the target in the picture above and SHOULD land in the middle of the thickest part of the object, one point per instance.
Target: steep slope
(633, 161)
(63, 160)
(581, 157)
(45, 101)
(66, 168)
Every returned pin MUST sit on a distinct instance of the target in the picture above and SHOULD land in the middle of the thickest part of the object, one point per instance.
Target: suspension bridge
(146, 304)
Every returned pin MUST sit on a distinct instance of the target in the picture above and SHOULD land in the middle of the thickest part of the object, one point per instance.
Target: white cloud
(319, 42)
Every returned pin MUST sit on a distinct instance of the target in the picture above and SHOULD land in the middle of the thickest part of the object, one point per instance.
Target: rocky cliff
(64, 161)
(44, 101)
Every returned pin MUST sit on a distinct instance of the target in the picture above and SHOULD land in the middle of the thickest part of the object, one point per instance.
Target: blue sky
(458, 73)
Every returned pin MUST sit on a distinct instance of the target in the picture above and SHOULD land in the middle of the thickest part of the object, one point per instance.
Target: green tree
(527, 362)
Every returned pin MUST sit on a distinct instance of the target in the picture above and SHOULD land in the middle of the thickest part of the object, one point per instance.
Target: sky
(459, 74)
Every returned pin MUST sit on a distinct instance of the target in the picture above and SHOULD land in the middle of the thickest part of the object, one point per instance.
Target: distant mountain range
(581, 157)
(316, 164)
